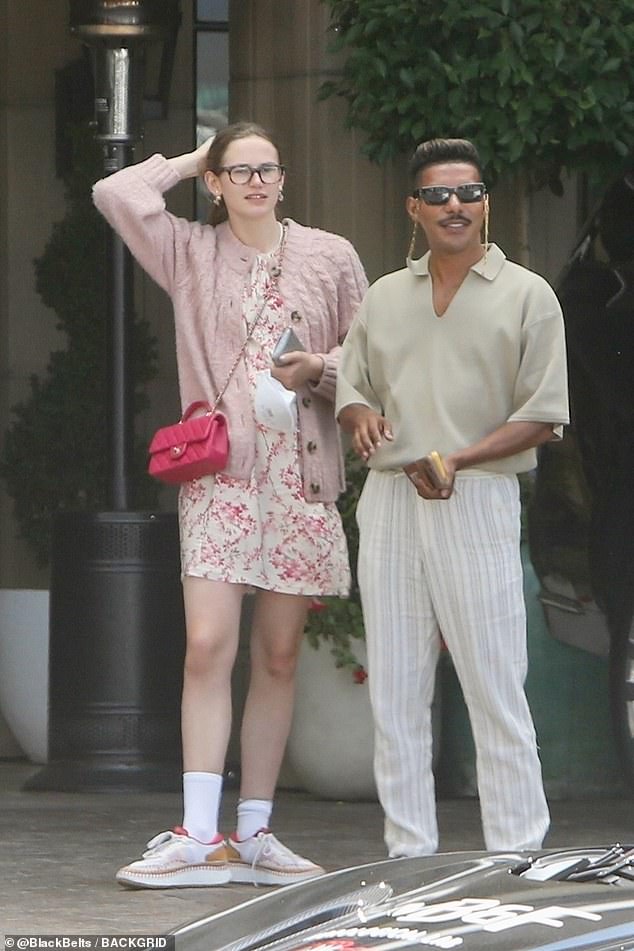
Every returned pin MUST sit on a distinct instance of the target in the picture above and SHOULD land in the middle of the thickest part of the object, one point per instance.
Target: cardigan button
(306, 401)
(296, 316)
(311, 446)
(315, 487)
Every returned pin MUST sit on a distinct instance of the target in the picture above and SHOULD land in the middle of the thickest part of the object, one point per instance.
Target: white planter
(24, 668)
(331, 745)
(9, 748)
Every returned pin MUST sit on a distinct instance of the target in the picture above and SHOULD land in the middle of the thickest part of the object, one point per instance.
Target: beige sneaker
(263, 860)
(177, 860)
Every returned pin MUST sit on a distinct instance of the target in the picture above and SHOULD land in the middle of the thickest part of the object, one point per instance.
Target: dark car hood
(548, 900)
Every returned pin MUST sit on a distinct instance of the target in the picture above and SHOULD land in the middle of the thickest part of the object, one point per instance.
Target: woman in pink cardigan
(268, 523)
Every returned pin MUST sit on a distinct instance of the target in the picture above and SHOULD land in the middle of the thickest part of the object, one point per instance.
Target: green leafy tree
(540, 85)
(55, 454)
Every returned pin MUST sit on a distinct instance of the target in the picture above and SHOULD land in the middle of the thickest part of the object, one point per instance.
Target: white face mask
(275, 406)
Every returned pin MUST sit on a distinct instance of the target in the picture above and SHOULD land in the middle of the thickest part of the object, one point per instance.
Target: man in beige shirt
(460, 354)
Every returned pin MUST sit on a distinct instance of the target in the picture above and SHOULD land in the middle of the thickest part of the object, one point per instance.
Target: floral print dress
(263, 533)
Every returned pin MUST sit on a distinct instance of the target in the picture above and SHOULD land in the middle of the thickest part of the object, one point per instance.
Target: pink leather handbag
(194, 447)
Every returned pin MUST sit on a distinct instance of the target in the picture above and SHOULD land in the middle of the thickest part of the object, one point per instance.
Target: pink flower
(360, 674)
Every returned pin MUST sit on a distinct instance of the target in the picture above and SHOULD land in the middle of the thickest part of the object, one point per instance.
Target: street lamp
(116, 614)
(121, 35)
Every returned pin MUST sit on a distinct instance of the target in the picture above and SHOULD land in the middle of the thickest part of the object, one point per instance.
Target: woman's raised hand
(200, 155)
(192, 164)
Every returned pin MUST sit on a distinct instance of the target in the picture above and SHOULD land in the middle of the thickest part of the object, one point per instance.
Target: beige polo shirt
(496, 355)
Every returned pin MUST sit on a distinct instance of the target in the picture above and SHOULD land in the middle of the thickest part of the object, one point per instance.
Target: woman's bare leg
(212, 614)
(276, 635)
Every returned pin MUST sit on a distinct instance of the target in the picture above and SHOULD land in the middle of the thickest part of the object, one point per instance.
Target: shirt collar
(488, 267)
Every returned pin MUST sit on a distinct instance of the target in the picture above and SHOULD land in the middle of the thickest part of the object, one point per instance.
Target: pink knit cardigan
(204, 269)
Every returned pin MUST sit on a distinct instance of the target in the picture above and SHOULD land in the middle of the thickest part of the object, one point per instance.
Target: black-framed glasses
(269, 173)
(440, 194)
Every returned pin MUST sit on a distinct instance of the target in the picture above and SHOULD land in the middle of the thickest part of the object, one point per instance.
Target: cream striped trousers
(452, 566)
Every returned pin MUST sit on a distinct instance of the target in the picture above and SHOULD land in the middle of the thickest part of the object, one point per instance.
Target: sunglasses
(440, 194)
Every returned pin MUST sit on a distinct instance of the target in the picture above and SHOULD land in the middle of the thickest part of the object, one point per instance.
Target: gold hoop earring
(412, 244)
(486, 226)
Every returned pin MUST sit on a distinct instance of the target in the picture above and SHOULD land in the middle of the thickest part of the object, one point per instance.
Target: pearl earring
(217, 199)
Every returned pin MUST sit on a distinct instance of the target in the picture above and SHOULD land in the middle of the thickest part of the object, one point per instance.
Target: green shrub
(55, 454)
(542, 85)
(338, 622)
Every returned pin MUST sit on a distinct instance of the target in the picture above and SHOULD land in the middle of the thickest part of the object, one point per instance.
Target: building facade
(278, 57)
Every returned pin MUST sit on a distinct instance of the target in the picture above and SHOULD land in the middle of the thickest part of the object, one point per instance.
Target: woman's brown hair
(217, 150)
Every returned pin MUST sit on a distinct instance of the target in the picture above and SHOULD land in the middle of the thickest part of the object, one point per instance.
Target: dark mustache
(458, 217)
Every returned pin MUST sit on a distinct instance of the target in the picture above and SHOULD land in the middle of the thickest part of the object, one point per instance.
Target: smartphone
(288, 342)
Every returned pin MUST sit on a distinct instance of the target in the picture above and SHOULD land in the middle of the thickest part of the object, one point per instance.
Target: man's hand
(366, 427)
(420, 474)
(506, 440)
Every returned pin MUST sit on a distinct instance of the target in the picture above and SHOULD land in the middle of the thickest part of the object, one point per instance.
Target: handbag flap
(196, 429)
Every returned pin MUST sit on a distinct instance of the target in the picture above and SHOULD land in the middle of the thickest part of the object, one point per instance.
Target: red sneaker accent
(234, 837)
(181, 830)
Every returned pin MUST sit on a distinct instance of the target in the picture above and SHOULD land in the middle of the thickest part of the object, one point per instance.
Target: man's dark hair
(439, 151)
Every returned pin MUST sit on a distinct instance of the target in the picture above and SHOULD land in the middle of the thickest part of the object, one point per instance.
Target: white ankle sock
(201, 804)
(253, 815)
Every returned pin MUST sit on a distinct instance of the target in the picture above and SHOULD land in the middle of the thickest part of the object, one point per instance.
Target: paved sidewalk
(60, 850)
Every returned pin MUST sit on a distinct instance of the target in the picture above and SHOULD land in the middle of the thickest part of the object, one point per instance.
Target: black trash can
(117, 642)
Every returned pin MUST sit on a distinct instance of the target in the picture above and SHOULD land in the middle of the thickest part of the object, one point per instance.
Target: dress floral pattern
(263, 533)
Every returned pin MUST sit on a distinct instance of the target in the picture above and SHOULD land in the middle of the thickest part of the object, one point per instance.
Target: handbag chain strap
(276, 270)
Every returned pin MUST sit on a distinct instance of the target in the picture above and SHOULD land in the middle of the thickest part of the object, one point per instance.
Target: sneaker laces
(269, 845)
(161, 842)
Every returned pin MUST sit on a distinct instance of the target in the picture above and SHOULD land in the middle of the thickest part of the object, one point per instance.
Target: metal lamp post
(116, 615)
(118, 33)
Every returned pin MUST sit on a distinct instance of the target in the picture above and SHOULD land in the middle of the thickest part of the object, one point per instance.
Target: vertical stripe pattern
(454, 567)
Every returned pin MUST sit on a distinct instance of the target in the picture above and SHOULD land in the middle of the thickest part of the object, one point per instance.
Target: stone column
(278, 60)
